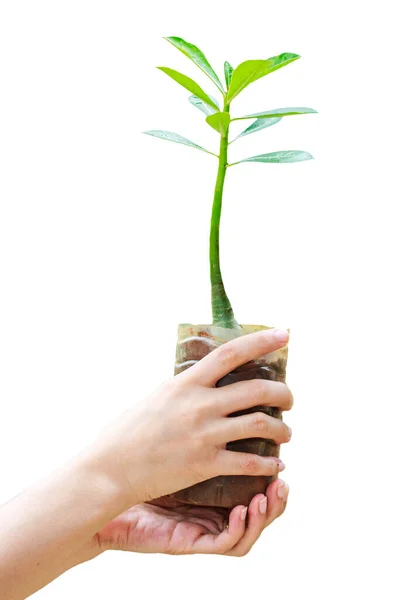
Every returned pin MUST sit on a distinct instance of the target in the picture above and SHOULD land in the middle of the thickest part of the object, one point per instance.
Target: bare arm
(45, 530)
(60, 522)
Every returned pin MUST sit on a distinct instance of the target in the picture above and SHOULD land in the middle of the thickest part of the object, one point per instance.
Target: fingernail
(281, 336)
(289, 433)
(282, 491)
(262, 506)
(281, 466)
(243, 514)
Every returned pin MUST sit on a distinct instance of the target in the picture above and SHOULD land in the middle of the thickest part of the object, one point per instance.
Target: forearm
(52, 526)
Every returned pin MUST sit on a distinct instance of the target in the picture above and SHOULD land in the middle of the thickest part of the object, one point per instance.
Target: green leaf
(220, 122)
(189, 84)
(175, 137)
(205, 108)
(278, 112)
(283, 156)
(251, 70)
(257, 126)
(197, 56)
(228, 69)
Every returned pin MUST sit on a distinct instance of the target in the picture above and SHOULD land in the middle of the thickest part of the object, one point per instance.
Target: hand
(175, 439)
(178, 436)
(167, 527)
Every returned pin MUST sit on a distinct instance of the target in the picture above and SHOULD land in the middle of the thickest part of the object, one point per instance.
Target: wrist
(92, 549)
(116, 469)
(106, 482)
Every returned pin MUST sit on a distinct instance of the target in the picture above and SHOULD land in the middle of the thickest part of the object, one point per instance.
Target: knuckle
(251, 464)
(168, 389)
(197, 443)
(174, 388)
(197, 402)
(226, 354)
(191, 422)
(187, 418)
(208, 441)
(260, 422)
(205, 403)
(213, 466)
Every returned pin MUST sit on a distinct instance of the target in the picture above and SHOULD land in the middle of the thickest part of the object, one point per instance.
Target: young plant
(219, 118)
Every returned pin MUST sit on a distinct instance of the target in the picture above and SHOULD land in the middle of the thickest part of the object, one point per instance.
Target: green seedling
(219, 118)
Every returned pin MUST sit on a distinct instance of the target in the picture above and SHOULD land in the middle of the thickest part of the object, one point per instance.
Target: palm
(169, 527)
(162, 526)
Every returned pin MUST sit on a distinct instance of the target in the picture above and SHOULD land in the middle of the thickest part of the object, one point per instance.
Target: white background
(103, 251)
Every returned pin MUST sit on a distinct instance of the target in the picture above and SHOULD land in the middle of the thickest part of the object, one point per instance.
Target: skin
(111, 496)
(188, 529)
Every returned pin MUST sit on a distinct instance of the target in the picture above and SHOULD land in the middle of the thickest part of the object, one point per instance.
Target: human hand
(178, 436)
(173, 440)
(168, 527)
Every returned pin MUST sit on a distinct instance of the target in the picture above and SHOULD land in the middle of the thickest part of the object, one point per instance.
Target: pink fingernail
(282, 491)
(281, 336)
(262, 506)
(281, 466)
(243, 514)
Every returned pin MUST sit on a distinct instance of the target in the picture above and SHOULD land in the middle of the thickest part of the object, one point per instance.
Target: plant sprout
(219, 118)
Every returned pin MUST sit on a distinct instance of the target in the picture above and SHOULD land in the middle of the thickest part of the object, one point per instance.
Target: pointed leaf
(283, 156)
(228, 69)
(197, 56)
(278, 112)
(220, 122)
(257, 126)
(175, 137)
(189, 84)
(251, 70)
(198, 103)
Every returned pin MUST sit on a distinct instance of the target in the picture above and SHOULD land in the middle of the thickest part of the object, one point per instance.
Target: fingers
(253, 425)
(225, 541)
(243, 463)
(277, 497)
(239, 351)
(263, 510)
(257, 521)
(251, 393)
(239, 538)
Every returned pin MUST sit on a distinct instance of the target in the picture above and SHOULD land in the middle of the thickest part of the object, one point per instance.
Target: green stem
(221, 307)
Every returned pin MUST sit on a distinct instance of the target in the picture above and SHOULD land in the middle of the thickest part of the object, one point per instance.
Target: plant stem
(221, 307)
